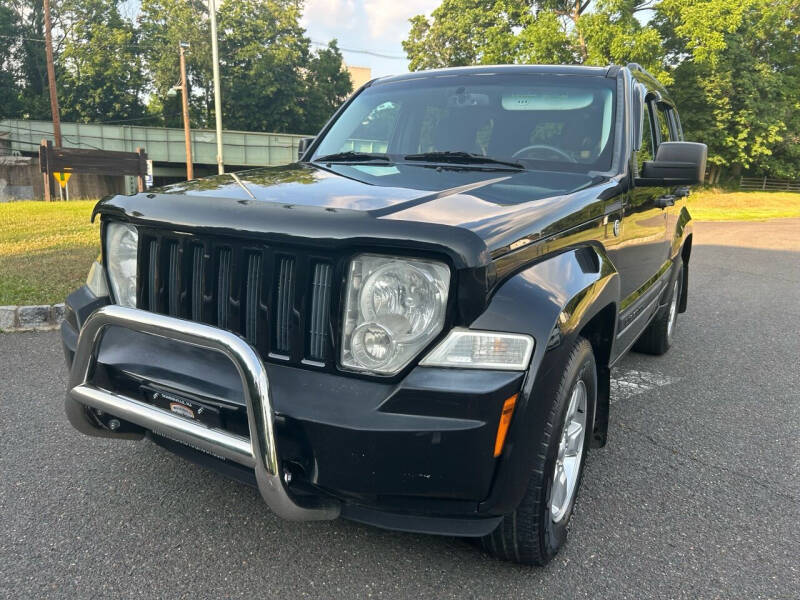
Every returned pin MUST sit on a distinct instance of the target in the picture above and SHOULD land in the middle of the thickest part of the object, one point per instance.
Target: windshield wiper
(463, 158)
(350, 156)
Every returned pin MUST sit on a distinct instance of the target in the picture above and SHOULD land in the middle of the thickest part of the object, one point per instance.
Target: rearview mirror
(303, 145)
(676, 163)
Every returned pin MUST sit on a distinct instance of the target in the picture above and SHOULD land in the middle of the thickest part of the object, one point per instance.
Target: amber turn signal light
(505, 421)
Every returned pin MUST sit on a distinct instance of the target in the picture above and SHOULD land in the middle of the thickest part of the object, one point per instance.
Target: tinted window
(665, 134)
(543, 121)
(647, 151)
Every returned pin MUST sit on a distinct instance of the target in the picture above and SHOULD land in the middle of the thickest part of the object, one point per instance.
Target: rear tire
(534, 532)
(657, 338)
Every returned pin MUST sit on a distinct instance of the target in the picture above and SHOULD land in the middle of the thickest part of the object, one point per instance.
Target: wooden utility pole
(186, 130)
(43, 157)
(51, 74)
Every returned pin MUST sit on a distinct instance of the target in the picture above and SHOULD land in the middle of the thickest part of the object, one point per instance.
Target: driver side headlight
(122, 241)
(395, 306)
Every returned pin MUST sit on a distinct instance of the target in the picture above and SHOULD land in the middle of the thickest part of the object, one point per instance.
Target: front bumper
(414, 455)
(258, 452)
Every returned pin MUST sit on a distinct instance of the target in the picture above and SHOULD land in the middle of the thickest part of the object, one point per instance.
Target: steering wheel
(543, 147)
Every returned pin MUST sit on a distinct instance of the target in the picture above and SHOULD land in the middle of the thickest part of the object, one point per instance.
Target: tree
(24, 60)
(737, 80)
(464, 32)
(327, 85)
(100, 71)
(163, 25)
(9, 38)
(262, 52)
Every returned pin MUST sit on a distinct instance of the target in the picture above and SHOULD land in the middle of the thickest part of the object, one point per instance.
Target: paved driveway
(696, 496)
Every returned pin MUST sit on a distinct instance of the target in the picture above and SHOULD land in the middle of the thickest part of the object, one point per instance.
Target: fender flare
(552, 300)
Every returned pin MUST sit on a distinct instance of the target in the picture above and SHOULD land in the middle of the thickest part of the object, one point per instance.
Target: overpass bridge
(164, 146)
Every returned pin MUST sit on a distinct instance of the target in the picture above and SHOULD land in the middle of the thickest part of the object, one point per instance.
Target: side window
(664, 130)
(676, 123)
(647, 151)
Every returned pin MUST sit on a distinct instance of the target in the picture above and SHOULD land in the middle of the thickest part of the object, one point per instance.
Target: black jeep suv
(413, 325)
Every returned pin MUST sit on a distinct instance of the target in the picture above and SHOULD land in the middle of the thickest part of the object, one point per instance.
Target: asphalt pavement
(697, 494)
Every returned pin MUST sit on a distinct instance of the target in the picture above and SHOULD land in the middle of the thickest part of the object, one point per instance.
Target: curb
(42, 317)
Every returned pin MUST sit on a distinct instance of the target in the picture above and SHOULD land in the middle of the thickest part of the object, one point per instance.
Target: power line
(141, 46)
(361, 51)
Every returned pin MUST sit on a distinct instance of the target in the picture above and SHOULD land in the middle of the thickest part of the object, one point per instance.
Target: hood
(498, 206)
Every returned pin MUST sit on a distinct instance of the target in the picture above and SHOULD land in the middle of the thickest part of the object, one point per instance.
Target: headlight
(467, 349)
(395, 307)
(96, 280)
(122, 241)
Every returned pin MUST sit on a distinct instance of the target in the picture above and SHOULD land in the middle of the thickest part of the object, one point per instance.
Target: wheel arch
(554, 300)
(599, 331)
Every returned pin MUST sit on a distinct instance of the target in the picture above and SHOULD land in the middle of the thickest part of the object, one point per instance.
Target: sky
(369, 26)
(377, 26)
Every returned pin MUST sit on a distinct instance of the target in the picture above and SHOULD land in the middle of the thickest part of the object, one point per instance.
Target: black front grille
(279, 299)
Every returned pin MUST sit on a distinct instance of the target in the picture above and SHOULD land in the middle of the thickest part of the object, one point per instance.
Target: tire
(657, 338)
(535, 531)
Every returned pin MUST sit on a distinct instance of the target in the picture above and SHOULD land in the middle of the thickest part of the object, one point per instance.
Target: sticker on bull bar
(183, 406)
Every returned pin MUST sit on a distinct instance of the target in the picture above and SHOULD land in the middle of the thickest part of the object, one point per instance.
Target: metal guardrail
(767, 184)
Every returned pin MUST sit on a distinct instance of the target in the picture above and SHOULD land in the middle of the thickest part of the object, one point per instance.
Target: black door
(640, 248)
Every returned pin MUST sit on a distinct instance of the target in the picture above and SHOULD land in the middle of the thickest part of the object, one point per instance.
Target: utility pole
(212, 12)
(51, 73)
(51, 83)
(186, 130)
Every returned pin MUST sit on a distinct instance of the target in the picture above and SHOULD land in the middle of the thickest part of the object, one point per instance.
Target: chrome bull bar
(259, 452)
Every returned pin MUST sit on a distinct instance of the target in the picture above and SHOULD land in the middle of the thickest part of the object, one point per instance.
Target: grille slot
(280, 301)
(284, 300)
(198, 274)
(223, 288)
(320, 307)
(174, 280)
(152, 281)
(252, 289)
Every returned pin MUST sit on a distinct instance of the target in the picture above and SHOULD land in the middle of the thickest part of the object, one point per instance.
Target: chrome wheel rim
(570, 453)
(673, 312)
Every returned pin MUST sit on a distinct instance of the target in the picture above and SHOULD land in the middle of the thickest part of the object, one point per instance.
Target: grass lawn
(46, 249)
(719, 205)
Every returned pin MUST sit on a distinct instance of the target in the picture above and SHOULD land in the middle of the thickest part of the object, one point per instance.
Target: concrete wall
(21, 179)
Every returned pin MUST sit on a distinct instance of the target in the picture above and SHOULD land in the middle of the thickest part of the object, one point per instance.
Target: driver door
(639, 249)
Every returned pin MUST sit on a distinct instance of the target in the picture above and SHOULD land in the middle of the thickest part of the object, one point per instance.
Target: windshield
(536, 121)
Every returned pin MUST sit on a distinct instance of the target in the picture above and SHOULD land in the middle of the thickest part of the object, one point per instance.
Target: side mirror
(303, 145)
(676, 163)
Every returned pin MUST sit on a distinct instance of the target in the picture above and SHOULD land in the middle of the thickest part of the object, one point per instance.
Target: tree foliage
(731, 65)
(463, 32)
(737, 80)
(100, 71)
(112, 68)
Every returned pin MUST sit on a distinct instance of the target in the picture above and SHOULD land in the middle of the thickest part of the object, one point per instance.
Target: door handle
(666, 200)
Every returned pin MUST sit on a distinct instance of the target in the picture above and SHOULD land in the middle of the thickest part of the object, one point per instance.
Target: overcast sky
(374, 25)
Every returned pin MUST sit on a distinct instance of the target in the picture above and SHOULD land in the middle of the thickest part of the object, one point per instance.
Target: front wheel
(534, 532)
